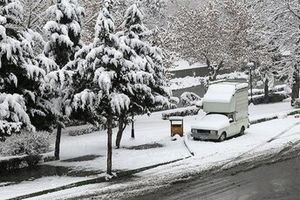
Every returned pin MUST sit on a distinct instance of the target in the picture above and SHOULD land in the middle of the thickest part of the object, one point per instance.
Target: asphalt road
(277, 181)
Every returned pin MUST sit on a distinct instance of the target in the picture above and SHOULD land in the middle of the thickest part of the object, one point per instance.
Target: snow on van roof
(223, 92)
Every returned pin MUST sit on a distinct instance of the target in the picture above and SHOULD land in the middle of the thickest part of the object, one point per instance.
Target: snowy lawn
(156, 132)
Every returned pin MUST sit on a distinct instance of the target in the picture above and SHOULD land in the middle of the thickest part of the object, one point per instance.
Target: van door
(234, 125)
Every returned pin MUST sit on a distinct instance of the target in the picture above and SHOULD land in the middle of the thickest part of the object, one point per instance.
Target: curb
(120, 175)
(186, 144)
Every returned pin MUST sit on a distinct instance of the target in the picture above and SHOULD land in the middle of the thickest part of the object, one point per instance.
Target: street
(280, 181)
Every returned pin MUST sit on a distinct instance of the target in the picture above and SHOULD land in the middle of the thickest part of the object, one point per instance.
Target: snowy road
(276, 181)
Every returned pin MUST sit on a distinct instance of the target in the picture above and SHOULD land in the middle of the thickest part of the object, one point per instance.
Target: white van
(226, 105)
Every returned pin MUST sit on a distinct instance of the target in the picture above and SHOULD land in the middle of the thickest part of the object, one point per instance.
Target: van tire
(242, 131)
(222, 137)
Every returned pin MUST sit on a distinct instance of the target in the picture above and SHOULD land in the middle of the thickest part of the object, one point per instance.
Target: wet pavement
(46, 170)
(277, 181)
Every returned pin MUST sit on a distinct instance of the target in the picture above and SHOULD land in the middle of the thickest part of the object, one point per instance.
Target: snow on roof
(223, 92)
(212, 122)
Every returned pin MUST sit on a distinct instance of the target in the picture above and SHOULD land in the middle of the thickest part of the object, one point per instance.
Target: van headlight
(214, 132)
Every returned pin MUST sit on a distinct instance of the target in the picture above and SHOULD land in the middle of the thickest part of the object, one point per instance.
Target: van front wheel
(222, 137)
(242, 132)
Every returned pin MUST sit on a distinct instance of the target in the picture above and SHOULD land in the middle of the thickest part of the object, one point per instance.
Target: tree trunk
(266, 91)
(109, 145)
(295, 88)
(121, 129)
(215, 71)
(132, 127)
(57, 142)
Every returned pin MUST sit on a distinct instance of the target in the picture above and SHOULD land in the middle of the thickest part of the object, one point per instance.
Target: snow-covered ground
(186, 82)
(189, 81)
(153, 130)
(183, 65)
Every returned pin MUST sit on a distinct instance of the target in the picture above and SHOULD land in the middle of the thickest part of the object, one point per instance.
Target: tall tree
(279, 23)
(103, 92)
(215, 34)
(64, 35)
(20, 76)
(149, 91)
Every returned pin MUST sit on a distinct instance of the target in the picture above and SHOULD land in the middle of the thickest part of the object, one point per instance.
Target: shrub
(273, 98)
(26, 143)
(189, 99)
(82, 130)
(181, 113)
(296, 104)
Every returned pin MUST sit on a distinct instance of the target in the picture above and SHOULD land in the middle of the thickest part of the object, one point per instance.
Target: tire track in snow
(240, 157)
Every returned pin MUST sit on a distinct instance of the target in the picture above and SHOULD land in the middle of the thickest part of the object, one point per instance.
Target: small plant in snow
(26, 143)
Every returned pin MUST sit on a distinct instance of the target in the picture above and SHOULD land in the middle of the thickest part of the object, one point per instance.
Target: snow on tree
(190, 99)
(34, 14)
(64, 31)
(106, 77)
(149, 89)
(64, 40)
(20, 76)
(215, 34)
(112, 70)
(156, 10)
(279, 23)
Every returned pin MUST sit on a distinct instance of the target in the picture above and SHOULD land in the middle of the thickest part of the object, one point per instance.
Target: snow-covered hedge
(277, 89)
(273, 98)
(82, 130)
(26, 143)
(182, 113)
(189, 99)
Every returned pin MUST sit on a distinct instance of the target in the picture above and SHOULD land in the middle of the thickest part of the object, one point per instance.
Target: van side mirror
(231, 120)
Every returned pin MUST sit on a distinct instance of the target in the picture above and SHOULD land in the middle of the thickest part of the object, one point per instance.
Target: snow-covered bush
(182, 113)
(297, 103)
(82, 130)
(26, 143)
(189, 99)
(233, 75)
(273, 98)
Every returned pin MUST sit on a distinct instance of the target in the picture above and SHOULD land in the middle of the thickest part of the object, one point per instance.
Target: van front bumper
(205, 134)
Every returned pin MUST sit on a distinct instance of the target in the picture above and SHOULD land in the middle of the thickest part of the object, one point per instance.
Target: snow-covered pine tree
(149, 89)
(105, 76)
(20, 76)
(64, 40)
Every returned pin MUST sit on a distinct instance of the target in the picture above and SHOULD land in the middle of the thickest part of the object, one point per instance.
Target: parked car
(226, 105)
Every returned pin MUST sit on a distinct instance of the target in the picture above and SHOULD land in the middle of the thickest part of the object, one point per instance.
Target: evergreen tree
(105, 77)
(149, 91)
(20, 76)
(64, 34)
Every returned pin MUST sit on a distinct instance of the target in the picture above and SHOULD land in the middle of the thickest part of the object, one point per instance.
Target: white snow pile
(233, 75)
(186, 82)
(190, 99)
(213, 122)
(219, 93)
